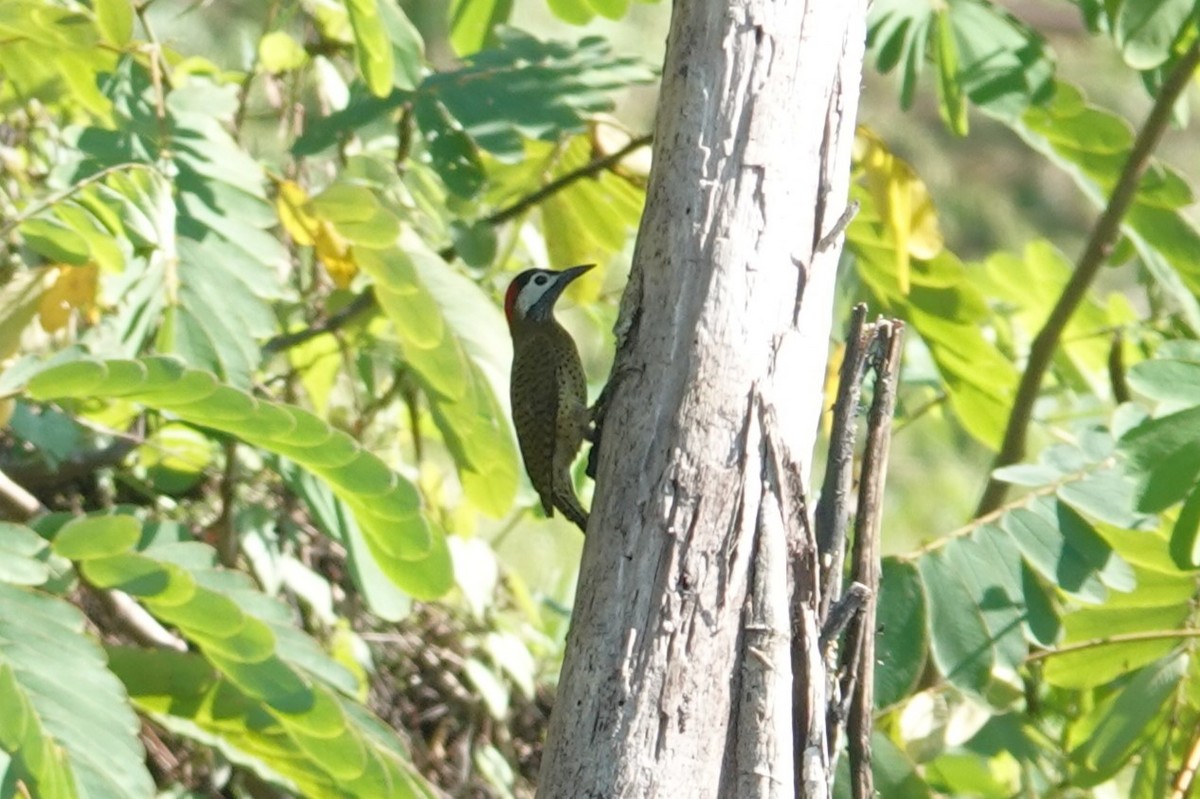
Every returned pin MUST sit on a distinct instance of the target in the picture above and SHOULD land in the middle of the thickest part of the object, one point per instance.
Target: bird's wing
(535, 411)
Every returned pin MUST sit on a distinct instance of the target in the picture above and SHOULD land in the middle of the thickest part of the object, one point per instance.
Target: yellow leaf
(832, 375)
(74, 288)
(902, 202)
(301, 218)
(335, 254)
(295, 214)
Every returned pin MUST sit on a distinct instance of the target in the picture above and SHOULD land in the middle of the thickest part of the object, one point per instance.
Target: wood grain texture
(676, 638)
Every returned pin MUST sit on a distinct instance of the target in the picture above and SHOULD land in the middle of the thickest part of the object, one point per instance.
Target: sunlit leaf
(66, 718)
(372, 49)
(386, 505)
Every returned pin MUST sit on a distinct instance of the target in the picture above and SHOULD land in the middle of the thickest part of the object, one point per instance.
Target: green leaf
(1115, 727)
(1048, 551)
(981, 53)
(23, 556)
(19, 299)
(52, 54)
(335, 755)
(66, 719)
(989, 566)
(902, 638)
(952, 101)
(1146, 30)
(453, 153)
(385, 504)
(576, 12)
(408, 48)
(472, 23)
(1092, 146)
(335, 519)
(1158, 606)
(965, 774)
(591, 220)
(372, 49)
(895, 773)
(1030, 285)
(278, 52)
(959, 638)
(949, 314)
(97, 536)
(522, 89)
(267, 667)
(1107, 495)
(463, 404)
(115, 20)
(1167, 379)
(55, 241)
(1163, 455)
(212, 266)
(475, 242)
(1185, 535)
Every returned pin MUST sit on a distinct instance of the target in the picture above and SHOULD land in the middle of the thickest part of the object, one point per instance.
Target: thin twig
(239, 115)
(833, 508)
(1098, 248)
(224, 530)
(860, 638)
(365, 301)
(588, 170)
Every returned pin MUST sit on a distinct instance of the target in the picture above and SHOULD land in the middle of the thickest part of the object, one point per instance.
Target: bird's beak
(565, 278)
(568, 275)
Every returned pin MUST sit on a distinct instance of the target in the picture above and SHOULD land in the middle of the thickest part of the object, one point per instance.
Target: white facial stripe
(533, 291)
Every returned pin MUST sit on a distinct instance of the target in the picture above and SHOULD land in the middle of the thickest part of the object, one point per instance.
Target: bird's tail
(568, 504)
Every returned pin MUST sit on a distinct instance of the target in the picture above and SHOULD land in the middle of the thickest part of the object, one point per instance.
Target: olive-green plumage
(548, 390)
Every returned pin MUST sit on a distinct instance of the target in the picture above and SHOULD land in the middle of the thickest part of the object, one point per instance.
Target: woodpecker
(548, 389)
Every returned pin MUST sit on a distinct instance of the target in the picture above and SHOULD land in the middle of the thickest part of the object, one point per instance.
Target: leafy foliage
(178, 251)
(387, 505)
(67, 727)
(249, 316)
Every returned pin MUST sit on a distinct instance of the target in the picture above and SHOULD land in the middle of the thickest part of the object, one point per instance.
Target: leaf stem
(1099, 246)
(1108, 640)
(1000, 510)
(63, 194)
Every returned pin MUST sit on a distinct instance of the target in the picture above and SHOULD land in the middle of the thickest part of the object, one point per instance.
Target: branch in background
(239, 116)
(224, 530)
(363, 302)
(590, 169)
(1099, 245)
(135, 621)
(18, 504)
(366, 300)
(39, 475)
(15, 502)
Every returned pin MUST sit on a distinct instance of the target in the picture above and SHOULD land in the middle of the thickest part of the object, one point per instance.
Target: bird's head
(532, 294)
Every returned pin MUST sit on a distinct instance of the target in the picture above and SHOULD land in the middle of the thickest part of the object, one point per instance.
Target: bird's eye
(540, 280)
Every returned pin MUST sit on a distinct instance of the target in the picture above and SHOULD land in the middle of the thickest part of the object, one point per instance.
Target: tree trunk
(678, 679)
